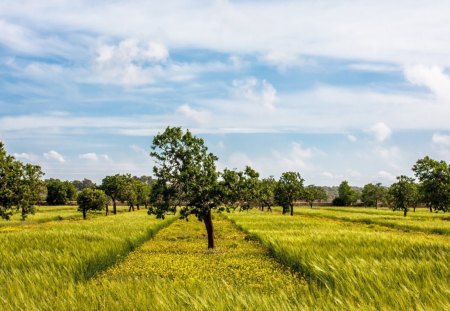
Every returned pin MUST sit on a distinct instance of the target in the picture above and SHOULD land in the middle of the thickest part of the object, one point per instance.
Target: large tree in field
(288, 190)
(347, 195)
(403, 194)
(266, 192)
(186, 174)
(21, 186)
(60, 192)
(434, 177)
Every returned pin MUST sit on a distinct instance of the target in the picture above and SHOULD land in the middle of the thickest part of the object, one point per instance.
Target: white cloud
(389, 153)
(432, 77)
(25, 156)
(89, 156)
(140, 150)
(385, 176)
(282, 59)
(198, 116)
(441, 139)
(380, 131)
(328, 175)
(53, 155)
(352, 138)
(257, 92)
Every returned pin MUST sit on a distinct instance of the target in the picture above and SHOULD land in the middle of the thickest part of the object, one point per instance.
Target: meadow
(319, 259)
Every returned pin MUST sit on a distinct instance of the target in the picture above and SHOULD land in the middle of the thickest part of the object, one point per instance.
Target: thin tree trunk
(107, 210)
(114, 207)
(137, 206)
(209, 229)
(404, 212)
(84, 214)
(310, 204)
(431, 210)
(292, 209)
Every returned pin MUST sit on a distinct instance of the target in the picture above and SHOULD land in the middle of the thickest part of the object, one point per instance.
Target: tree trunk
(414, 209)
(137, 206)
(404, 212)
(23, 213)
(114, 207)
(209, 229)
(284, 210)
(431, 210)
(292, 209)
(310, 204)
(269, 209)
(107, 210)
(84, 214)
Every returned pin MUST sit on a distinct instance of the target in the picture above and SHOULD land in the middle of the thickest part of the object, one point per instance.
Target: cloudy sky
(355, 90)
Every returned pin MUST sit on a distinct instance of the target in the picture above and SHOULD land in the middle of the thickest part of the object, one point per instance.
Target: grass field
(319, 259)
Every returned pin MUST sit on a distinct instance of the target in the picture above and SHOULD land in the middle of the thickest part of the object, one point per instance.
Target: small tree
(266, 194)
(372, 194)
(91, 200)
(114, 186)
(230, 187)
(434, 177)
(289, 189)
(186, 174)
(403, 194)
(346, 194)
(32, 188)
(143, 191)
(60, 192)
(314, 193)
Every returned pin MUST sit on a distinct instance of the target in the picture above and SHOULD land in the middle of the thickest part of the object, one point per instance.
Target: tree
(91, 200)
(434, 177)
(20, 186)
(266, 193)
(143, 191)
(403, 194)
(114, 186)
(249, 194)
(289, 189)
(347, 194)
(186, 174)
(60, 192)
(230, 187)
(372, 194)
(83, 184)
(314, 193)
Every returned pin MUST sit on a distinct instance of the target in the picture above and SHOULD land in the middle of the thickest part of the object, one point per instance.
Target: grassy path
(174, 271)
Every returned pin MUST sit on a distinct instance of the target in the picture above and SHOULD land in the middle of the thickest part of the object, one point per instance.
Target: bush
(338, 202)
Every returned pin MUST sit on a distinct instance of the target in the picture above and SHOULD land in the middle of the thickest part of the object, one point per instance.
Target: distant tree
(266, 194)
(314, 193)
(143, 192)
(186, 173)
(372, 194)
(347, 194)
(60, 192)
(21, 186)
(289, 189)
(403, 194)
(83, 184)
(250, 191)
(434, 177)
(230, 187)
(91, 200)
(114, 187)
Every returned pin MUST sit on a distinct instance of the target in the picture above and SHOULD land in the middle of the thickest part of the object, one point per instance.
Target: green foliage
(239, 189)
(372, 194)
(114, 187)
(314, 193)
(347, 194)
(266, 194)
(288, 190)
(403, 194)
(83, 184)
(21, 186)
(186, 174)
(91, 200)
(60, 192)
(434, 177)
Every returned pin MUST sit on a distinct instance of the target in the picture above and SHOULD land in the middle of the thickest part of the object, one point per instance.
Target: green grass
(422, 220)
(41, 264)
(358, 266)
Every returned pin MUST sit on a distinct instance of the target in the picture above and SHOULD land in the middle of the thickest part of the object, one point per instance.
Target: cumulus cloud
(380, 131)
(431, 77)
(53, 155)
(25, 156)
(282, 59)
(130, 62)
(198, 116)
(385, 176)
(257, 91)
(92, 156)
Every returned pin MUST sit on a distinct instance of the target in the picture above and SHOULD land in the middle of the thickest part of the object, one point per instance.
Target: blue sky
(333, 89)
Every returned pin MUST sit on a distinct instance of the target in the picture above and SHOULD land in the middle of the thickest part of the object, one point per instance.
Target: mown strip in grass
(41, 264)
(360, 268)
(417, 222)
(175, 271)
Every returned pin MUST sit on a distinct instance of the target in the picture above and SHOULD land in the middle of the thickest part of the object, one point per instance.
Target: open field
(312, 261)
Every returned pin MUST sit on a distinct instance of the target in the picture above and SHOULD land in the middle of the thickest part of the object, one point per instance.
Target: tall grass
(42, 263)
(359, 267)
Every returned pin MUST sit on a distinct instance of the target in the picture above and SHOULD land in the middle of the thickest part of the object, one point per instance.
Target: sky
(354, 90)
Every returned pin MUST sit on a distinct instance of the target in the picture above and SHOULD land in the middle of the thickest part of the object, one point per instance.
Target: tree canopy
(288, 190)
(91, 200)
(403, 194)
(186, 177)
